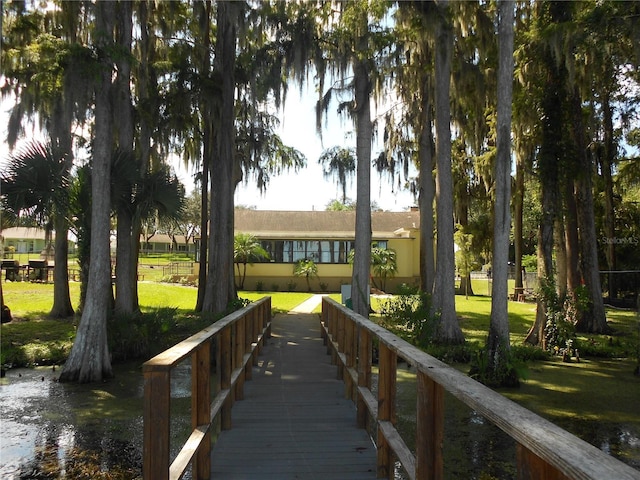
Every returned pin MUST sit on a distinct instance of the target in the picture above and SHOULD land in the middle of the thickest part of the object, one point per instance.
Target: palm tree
(306, 268)
(246, 249)
(35, 183)
(338, 162)
(383, 264)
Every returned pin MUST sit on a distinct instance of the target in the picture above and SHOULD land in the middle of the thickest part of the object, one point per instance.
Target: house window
(320, 251)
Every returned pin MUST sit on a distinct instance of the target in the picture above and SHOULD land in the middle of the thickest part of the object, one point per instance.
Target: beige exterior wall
(279, 276)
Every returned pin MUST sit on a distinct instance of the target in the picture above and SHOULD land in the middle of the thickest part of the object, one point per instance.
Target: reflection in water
(53, 430)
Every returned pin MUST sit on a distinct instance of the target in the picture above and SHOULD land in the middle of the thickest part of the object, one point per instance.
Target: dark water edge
(50, 430)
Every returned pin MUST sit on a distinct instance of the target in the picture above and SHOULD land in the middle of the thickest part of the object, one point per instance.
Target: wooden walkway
(294, 421)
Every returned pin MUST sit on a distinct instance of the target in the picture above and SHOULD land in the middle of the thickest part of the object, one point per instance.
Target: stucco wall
(279, 276)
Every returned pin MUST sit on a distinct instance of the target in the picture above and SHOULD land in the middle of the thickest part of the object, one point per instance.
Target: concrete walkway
(308, 306)
(294, 422)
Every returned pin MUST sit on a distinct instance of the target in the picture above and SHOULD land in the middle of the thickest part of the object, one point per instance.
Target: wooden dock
(295, 421)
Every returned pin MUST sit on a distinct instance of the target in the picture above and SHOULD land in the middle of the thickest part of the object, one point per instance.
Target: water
(50, 430)
(55, 430)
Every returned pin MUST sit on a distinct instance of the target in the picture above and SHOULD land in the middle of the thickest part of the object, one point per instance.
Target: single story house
(326, 237)
(27, 240)
(163, 243)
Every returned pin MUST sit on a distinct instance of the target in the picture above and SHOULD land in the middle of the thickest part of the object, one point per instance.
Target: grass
(34, 339)
(592, 398)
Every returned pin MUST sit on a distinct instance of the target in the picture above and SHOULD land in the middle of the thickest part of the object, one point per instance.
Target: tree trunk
(561, 259)
(63, 147)
(593, 318)
(148, 97)
(606, 165)
(220, 289)
(360, 287)
(549, 157)
(206, 115)
(498, 340)
(571, 239)
(444, 289)
(427, 195)
(89, 360)
(518, 202)
(125, 266)
(62, 307)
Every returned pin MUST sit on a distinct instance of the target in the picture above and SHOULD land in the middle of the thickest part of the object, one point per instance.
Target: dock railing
(239, 337)
(544, 451)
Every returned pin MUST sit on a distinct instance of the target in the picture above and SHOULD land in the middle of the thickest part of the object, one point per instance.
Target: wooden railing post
(239, 349)
(350, 350)
(386, 408)
(224, 372)
(429, 429)
(532, 467)
(157, 399)
(364, 374)
(200, 410)
(248, 338)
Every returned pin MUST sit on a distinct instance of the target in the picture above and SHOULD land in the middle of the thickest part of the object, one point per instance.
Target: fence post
(386, 408)
(429, 429)
(200, 411)
(157, 398)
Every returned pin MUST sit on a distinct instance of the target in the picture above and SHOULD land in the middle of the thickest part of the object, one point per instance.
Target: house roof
(322, 224)
(25, 233)
(164, 238)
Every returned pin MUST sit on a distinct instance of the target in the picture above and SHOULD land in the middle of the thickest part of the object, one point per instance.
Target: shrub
(411, 312)
(140, 335)
(505, 371)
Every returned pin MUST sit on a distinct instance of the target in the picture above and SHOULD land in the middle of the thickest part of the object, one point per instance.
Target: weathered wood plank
(565, 453)
(294, 422)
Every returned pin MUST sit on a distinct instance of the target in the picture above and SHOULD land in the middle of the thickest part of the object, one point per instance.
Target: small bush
(259, 286)
(505, 371)
(140, 335)
(410, 312)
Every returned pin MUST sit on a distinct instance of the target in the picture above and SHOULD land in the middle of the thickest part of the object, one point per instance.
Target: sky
(304, 190)
(308, 189)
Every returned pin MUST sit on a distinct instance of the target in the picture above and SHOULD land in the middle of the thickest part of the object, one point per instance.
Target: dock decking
(295, 421)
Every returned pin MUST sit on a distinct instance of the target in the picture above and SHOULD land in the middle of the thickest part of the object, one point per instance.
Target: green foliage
(140, 335)
(466, 260)
(409, 312)
(503, 369)
(384, 264)
(559, 331)
(306, 268)
(530, 263)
